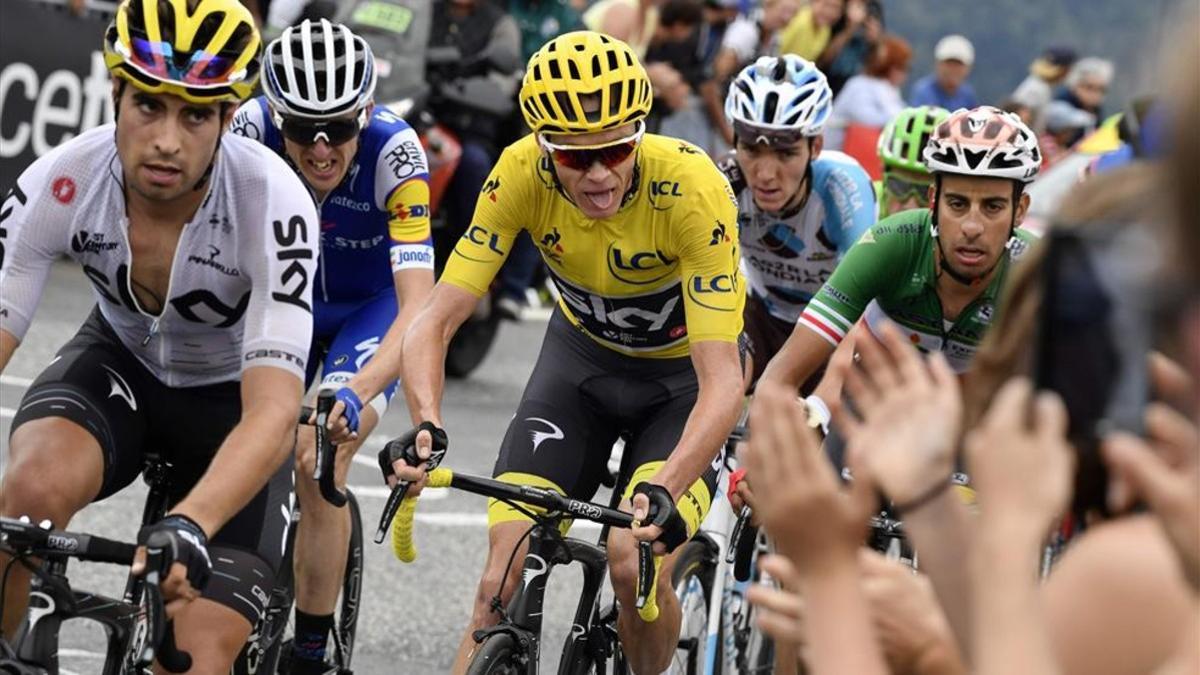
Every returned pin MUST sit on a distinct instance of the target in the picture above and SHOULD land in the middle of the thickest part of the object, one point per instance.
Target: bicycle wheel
(692, 580)
(498, 655)
(347, 625)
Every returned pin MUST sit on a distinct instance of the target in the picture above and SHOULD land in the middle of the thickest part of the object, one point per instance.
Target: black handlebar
(24, 539)
(323, 472)
(535, 496)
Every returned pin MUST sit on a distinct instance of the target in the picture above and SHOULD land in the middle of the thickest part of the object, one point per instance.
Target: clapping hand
(908, 415)
(799, 498)
(1020, 461)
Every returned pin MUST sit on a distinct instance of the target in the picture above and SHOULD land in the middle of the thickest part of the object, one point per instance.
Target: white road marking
(15, 381)
(81, 654)
(382, 492)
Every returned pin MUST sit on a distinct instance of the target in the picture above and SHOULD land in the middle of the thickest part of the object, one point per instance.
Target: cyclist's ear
(1022, 207)
(815, 145)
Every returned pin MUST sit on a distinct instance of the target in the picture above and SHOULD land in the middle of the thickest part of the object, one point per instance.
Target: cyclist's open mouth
(161, 174)
(325, 169)
(765, 195)
(600, 200)
(970, 256)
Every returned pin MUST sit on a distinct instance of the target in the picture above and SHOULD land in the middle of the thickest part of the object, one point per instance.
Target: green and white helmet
(904, 138)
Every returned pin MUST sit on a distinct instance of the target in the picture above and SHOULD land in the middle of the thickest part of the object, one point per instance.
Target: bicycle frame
(52, 604)
(523, 618)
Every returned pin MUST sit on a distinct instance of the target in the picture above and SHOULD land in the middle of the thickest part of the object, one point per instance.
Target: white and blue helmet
(784, 94)
(318, 70)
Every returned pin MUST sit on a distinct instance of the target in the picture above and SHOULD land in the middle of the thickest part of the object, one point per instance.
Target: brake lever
(645, 572)
(735, 537)
(323, 472)
(161, 646)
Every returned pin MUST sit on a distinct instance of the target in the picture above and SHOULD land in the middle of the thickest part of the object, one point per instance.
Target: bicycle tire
(498, 654)
(692, 579)
(347, 625)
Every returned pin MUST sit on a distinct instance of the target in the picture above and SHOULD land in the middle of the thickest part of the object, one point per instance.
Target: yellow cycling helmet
(579, 64)
(203, 51)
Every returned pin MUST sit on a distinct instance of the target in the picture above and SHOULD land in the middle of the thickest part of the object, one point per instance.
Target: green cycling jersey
(891, 272)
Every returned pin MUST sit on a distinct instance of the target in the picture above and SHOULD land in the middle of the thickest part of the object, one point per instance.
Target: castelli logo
(63, 189)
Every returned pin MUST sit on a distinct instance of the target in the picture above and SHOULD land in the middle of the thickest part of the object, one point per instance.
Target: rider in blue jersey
(800, 209)
(369, 177)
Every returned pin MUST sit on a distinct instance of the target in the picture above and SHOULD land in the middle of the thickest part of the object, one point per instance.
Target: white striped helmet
(318, 70)
(784, 93)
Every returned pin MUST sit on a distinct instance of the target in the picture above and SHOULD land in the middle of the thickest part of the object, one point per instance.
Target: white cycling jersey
(240, 290)
(787, 258)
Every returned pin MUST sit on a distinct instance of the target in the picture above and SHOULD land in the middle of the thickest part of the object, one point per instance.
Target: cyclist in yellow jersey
(639, 233)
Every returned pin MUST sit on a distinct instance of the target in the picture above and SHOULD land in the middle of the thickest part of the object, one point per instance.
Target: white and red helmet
(984, 141)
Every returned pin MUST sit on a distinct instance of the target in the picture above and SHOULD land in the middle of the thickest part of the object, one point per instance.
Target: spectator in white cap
(1087, 85)
(947, 85)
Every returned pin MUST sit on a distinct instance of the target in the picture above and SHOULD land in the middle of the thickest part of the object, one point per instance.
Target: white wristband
(818, 409)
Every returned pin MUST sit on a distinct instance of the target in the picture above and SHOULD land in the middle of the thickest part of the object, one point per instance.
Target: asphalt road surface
(412, 615)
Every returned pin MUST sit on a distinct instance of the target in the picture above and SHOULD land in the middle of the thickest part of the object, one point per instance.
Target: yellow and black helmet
(203, 51)
(581, 64)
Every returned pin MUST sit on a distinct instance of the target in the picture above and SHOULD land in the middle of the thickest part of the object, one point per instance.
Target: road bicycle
(127, 622)
(136, 625)
(514, 644)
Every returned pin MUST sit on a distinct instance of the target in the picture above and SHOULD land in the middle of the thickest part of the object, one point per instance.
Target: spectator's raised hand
(1020, 461)
(911, 627)
(1163, 471)
(908, 415)
(780, 609)
(799, 498)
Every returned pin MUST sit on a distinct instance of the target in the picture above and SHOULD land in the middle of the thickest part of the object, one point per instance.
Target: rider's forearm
(425, 345)
(8, 345)
(251, 453)
(712, 418)
(384, 366)
(800, 357)
(424, 359)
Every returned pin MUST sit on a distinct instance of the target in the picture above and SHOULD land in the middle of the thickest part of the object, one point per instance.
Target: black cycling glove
(405, 447)
(179, 540)
(664, 514)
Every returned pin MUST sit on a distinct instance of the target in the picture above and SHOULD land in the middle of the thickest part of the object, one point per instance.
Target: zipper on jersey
(153, 330)
(155, 321)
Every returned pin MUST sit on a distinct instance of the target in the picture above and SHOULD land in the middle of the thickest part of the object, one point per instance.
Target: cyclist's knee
(499, 579)
(55, 468)
(212, 634)
(622, 562)
(306, 451)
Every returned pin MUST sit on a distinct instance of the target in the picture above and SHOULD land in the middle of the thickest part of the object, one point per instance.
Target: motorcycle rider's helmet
(204, 51)
(779, 96)
(574, 66)
(319, 70)
(905, 136)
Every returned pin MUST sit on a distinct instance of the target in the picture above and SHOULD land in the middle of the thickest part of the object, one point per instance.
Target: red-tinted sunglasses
(582, 157)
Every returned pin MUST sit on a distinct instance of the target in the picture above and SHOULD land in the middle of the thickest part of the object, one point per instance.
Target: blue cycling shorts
(345, 337)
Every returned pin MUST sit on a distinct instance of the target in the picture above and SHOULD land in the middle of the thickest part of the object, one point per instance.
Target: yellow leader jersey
(660, 273)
